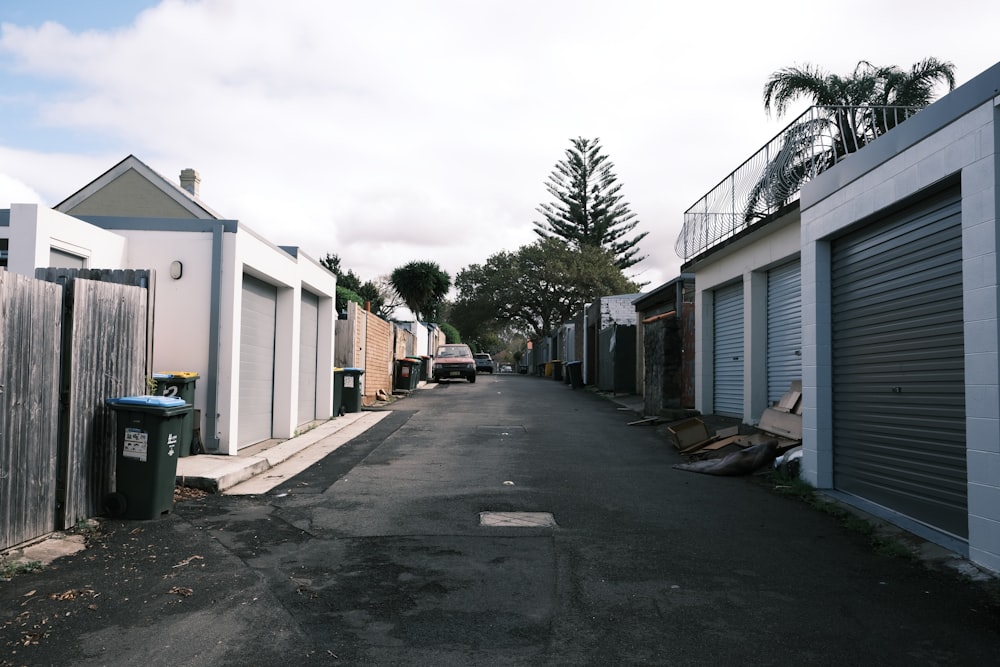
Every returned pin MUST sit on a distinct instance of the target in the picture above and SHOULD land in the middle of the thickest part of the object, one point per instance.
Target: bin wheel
(343, 411)
(115, 504)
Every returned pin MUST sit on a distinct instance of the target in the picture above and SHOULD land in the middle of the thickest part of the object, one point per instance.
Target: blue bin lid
(148, 401)
(354, 370)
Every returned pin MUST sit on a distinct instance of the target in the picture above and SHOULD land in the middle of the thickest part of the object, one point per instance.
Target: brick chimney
(190, 181)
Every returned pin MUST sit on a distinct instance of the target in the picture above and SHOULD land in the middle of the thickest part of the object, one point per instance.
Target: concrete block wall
(966, 147)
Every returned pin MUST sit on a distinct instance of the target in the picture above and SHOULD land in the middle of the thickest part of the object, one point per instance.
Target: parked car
(454, 361)
(484, 363)
(506, 368)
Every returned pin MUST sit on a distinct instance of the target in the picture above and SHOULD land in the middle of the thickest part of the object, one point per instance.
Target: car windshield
(454, 352)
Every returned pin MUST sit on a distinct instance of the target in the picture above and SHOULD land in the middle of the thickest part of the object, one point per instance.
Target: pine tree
(588, 209)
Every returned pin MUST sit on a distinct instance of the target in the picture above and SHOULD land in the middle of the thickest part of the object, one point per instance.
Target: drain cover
(517, 519)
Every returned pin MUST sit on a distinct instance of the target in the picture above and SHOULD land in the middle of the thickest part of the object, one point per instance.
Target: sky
(390, 131)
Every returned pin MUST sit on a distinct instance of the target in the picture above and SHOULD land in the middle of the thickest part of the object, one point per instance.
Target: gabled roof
(194, 206)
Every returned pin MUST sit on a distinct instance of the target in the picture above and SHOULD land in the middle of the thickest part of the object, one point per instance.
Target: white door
(256, 387)
(308, 351)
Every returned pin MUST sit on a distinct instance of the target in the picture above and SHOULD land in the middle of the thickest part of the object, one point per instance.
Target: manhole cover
(517, 519)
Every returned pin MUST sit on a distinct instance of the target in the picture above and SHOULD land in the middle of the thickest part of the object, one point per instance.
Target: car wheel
(472, 378)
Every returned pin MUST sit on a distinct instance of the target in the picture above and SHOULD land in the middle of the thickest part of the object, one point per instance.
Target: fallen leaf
(188, 560)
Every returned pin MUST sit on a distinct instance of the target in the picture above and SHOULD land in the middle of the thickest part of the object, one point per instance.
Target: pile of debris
(778, 436)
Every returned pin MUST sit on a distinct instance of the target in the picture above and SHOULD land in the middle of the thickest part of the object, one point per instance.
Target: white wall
(35, 230)
(246, 252)
(617, 310)
(182, 306)
(421, 332)
(746, 261)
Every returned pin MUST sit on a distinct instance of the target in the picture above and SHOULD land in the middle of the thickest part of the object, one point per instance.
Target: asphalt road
(378, 555)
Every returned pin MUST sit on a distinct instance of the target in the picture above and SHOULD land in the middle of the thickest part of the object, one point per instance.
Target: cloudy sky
(387, 131)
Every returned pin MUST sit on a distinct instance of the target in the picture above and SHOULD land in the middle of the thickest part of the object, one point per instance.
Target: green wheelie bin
(148, 432)
(338, 392)
(180, 384)
(353, 390)
(408, 373)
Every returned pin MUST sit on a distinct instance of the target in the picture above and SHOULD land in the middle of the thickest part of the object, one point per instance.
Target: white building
(878, 287)
(254, 320)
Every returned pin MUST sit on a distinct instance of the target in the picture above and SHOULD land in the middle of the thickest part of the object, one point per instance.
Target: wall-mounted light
(176, 270)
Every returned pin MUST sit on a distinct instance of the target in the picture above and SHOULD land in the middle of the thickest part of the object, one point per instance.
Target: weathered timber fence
(67, 342)
(30, 330)
(104, 356)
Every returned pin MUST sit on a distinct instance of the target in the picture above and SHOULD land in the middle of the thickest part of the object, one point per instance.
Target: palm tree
(868, 85)
(857, 109)
(421, 286)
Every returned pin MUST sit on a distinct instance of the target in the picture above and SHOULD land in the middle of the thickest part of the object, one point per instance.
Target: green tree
(868, 85)
(347, 279)
(378, 294)
(851, 112)
(539, 286)
(344, 295)
(451, 334)
(588, 209)
(422, 286)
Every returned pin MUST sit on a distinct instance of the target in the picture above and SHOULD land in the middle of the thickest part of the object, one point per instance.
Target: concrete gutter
(272, 461)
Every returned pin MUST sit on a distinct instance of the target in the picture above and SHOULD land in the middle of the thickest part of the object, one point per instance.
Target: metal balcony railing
(773, 177)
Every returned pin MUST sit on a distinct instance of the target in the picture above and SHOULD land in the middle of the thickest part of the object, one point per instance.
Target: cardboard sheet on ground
(781, 423)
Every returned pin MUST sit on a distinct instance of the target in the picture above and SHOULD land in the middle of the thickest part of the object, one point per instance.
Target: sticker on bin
(153, 401)
(136, 444)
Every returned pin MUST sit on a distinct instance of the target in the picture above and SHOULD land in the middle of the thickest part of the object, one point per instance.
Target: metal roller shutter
(728, 350)
(256, 403)
(784, 329)
(308, 348)
(898, 364)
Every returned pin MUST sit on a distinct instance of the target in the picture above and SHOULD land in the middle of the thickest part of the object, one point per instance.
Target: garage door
(308, 348)
(728, 350)
(898, 364)
(256, 361)
(784, 329)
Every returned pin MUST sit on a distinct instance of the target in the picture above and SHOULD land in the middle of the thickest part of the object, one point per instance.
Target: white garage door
(308, 349)
(728, 350)
(784, 329)
(256, 388)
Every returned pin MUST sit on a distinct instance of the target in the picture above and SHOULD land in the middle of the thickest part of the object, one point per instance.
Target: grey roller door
(728, 350)
(898, 364)
(308, 348)
(256, 388)
(784, 329)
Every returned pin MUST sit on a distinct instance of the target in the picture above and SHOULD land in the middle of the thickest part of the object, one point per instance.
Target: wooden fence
(67, 344)
(30, 341)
